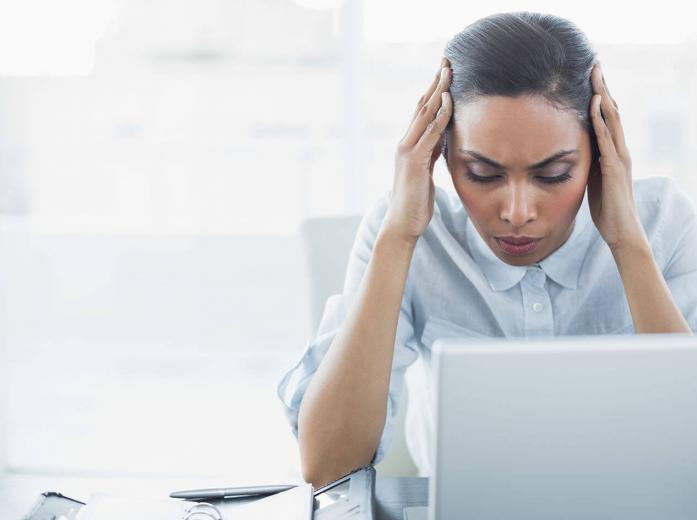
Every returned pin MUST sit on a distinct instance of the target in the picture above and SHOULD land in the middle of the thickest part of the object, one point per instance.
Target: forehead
(514, 131)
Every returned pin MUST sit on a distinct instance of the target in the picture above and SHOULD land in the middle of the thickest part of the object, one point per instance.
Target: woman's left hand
(610, 196)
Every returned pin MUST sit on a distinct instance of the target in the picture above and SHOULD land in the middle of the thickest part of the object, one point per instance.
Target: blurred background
(157, 161)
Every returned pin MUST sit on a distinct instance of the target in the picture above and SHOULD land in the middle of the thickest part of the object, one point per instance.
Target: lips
(521, 245)
(517, 240)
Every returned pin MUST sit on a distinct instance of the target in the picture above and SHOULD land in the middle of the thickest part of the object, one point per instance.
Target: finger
(427, 95)
(602, 132)
(609, 111)
(607, 90)
(599, 87)
(431, 135)
(427, 113)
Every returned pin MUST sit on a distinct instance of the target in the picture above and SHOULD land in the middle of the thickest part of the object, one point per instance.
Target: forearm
(343, 411)
(651, 304)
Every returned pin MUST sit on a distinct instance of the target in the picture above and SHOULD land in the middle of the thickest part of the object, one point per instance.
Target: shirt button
(537, 306)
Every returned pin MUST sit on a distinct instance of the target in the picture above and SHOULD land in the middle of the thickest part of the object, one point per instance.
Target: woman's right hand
(411, 204)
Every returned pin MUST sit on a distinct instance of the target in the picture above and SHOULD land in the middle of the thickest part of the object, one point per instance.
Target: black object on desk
(241, 492)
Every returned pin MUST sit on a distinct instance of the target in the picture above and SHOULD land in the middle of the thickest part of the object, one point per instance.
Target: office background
(157, 159)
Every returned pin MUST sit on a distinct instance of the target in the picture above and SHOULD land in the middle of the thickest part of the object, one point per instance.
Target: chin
(519, 260)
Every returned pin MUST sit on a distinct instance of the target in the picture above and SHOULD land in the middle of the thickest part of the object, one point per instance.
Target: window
(156, 159)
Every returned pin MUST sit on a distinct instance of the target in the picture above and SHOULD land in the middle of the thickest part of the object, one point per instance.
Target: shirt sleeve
(678, 250)
(292, 387)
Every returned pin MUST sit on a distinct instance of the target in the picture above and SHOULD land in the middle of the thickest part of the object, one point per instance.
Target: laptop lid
(601, 427)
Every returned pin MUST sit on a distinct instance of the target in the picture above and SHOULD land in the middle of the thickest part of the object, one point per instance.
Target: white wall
(120, 344)
(220, 291)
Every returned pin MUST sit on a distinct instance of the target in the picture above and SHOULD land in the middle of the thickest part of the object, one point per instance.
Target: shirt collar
(563, 265)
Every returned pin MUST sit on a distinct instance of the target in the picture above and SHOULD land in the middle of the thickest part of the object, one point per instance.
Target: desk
(19, 492)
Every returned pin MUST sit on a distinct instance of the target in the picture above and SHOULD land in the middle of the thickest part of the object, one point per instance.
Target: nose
(518, 207)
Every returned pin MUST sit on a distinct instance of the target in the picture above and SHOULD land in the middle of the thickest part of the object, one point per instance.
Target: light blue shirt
(457, 287)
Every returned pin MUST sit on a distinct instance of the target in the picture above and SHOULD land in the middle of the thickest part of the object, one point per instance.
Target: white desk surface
(19, 492)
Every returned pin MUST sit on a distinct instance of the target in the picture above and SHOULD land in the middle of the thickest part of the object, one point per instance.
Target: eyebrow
(536, 166)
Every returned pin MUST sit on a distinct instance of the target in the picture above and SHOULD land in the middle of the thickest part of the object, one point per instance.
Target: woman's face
(498, 151)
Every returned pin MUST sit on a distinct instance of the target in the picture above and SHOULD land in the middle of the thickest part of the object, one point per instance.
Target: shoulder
(370, 224)
(662, 198)
(372, 219)
(665, 210)
(448, 212)
(447, 208)
(656, 189)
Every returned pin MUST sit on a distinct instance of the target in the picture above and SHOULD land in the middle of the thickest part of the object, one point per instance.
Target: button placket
(537, 308)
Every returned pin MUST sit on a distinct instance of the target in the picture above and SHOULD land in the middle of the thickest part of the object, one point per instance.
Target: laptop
(573, 428)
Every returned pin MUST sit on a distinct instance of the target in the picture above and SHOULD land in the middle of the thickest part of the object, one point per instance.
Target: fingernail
(444, 62)
(443, 72)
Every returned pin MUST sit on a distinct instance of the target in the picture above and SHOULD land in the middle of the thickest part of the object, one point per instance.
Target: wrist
(631, 240)
(394, 241)
(634, 249)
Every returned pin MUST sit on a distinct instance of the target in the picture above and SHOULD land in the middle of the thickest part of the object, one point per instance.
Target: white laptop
(587, 428)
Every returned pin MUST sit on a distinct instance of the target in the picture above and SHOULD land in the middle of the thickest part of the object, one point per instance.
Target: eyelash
(546, 180)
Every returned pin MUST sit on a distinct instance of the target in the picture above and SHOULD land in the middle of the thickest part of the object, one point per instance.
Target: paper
(294, 504)
(102, 506)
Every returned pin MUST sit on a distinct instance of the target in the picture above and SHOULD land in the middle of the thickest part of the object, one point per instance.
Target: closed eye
(479, 178)
(563, 177)
(556, 179)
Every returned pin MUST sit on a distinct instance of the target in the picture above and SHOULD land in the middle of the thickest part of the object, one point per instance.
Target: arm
(652, 305)
(611, 202)
(343, 411)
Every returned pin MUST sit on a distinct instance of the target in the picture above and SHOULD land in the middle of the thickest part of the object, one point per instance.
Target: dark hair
(510, 54)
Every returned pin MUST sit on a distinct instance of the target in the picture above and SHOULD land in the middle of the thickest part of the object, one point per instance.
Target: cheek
(472, 196)
(564, 202)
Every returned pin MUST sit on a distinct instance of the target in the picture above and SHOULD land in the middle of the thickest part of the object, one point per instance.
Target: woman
(524, 119)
